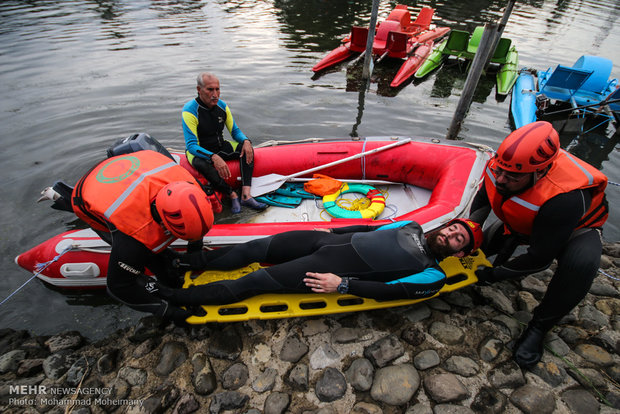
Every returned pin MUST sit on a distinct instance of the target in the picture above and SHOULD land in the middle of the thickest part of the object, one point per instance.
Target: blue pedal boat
(581, 87)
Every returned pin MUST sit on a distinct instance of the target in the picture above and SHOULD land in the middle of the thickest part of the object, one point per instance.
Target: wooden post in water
(360, 106)
(367, 70)
(473, 76)
(500, 29)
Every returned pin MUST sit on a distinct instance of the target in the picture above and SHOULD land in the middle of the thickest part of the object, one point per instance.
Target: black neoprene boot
(529, 347)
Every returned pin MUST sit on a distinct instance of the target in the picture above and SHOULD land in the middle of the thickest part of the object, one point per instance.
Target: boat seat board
(423, 20)
(601, 71)
(397, 45)
(457, 42)
(501, 51)
(425, 16)
(385, 28)
(359, 35)
(460, 272)
(402, 16)
(563, 82)
(474, 40)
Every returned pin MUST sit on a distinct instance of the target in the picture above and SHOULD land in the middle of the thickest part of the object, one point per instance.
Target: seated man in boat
(203, 120)
(552, 202)
(395, 261)
(142, 202)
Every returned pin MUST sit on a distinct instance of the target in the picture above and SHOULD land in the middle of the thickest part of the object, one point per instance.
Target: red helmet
(475, 234)
(184, 210)
(530, 148)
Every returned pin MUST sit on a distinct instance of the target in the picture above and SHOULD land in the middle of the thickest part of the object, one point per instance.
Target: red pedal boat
(412, 64)
(396, 37)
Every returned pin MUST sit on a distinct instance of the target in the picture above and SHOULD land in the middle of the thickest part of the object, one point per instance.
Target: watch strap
(343, 287)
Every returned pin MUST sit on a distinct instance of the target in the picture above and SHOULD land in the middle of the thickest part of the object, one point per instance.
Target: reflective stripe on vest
(583, 170)
(124, 198)
(108, 213)
(566, 174)
(518, 200)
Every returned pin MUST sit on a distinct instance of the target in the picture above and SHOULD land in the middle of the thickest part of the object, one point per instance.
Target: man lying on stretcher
(394, 261)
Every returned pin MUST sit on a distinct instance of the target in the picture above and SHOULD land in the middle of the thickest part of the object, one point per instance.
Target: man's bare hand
(221, 166)
(247, 151)
(322, 282)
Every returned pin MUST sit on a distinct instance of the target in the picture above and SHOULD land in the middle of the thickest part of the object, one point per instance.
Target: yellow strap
(460, 273)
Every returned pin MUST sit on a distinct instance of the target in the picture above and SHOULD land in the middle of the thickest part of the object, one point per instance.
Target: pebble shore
(448, 355)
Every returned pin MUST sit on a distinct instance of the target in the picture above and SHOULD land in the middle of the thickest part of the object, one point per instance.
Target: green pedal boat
(461, 45)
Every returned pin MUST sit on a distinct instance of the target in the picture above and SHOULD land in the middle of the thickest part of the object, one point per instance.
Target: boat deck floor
(400, 199)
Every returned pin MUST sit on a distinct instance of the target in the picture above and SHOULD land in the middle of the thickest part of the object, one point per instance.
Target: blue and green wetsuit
(203, 132)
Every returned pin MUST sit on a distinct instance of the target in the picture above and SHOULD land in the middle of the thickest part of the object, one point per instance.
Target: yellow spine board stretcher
(460, 273)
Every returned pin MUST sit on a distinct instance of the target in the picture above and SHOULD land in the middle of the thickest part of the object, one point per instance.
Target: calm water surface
(77, 75)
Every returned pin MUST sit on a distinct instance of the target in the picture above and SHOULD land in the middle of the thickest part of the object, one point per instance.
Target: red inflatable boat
(422, 180)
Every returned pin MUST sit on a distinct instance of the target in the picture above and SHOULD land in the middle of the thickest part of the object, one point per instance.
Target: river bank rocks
(448, 355)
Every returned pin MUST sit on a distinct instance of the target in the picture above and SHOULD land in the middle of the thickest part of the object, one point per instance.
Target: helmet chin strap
(154, 213)
(540, 174)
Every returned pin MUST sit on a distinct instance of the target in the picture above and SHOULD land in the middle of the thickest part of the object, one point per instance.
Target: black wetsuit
(136, 290)
(392, 263)
(554, 236)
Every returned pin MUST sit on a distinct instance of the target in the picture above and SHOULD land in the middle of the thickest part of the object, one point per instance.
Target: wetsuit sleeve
(420, 285)
(231, 125)
(353, 229)
(189, 121)
(480, 207)
(365, 228)
(553, 226)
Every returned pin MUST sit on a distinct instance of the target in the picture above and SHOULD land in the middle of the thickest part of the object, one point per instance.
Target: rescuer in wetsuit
(553, 202)
(203, 120)
(397, 261)
(140, 203)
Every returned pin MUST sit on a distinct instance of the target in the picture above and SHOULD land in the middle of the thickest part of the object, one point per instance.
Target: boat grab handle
(86, 269)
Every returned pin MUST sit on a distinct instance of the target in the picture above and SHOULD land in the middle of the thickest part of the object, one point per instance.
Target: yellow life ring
(377, 202)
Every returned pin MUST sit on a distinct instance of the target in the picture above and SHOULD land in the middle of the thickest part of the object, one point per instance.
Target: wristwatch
(343, 287)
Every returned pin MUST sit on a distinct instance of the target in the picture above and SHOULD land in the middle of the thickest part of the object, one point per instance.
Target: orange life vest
(566, 174)
(322, 185)
(120, 190)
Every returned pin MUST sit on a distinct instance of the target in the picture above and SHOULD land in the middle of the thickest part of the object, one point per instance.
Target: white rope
(607, 274)
(40, 267)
